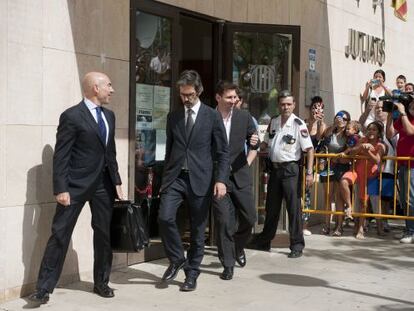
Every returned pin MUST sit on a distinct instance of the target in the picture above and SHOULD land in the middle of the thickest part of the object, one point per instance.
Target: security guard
(287, 137)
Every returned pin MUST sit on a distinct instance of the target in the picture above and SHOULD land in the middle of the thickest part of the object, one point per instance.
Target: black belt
(283, 164)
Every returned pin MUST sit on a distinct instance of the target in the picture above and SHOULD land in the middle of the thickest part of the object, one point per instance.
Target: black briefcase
(128, 228)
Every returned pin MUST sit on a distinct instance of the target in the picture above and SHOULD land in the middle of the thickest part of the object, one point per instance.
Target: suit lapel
(180, 119)
(89, 119)
(109, 121)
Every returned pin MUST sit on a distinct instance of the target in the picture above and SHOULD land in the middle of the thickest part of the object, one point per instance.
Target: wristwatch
(309, 172)
(403, 114)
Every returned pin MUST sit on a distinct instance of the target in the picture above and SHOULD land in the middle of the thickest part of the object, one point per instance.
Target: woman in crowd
(316, 127)
(334, 141)
(374, 89)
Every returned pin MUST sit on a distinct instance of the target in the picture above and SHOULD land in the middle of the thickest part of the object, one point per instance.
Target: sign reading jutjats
(366, 47)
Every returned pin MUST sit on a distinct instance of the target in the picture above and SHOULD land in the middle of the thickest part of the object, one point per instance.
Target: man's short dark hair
(402, 77)
(191, 77)
(224, 86)
(284, 94)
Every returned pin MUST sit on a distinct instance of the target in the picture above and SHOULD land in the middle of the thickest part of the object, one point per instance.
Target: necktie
(101, 124)
(190, 123)
(188, 126)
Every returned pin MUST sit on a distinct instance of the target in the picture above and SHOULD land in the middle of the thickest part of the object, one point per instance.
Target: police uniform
(286, 145)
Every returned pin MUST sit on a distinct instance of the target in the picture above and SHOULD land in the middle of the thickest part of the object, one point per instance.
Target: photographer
(374, 89)
(404, 126)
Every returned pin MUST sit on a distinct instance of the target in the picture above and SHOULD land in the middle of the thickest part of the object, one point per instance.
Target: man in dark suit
(195, 135)
(84, 169)
(235, 213)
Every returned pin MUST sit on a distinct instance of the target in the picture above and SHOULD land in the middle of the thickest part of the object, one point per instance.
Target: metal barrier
(327, 210)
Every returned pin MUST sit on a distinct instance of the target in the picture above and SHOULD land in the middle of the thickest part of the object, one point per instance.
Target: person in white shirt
(287, 138)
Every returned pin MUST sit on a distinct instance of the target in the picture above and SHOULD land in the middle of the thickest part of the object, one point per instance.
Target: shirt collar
(290, 120)
(195, 108)
(91, 105)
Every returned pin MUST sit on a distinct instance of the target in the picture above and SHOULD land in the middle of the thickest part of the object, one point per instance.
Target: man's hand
(219, 190)
(119, 192)
(63, 198)
(309, 180)
(254, 139)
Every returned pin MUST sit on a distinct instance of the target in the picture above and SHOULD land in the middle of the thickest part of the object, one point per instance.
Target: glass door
(151, 98)
(261, 60)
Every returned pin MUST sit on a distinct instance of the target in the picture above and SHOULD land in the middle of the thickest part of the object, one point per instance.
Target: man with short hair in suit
(195, 136)
(235, 213)
(84, 169)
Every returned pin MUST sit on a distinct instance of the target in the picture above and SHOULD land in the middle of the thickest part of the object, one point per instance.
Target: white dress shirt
(92, 108)
(195, 110)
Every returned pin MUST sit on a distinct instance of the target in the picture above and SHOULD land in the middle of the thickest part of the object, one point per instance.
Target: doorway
(165, 40)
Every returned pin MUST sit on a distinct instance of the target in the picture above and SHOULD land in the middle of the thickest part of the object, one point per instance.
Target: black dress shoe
(295, 254)
(104, 291)
(241, 258)
(172, 270)
(40, 296)
(227, 273)
(189, 284)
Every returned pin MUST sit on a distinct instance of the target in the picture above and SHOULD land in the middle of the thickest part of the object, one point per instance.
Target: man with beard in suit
(84, 169)
(235, 213)
(195, 136)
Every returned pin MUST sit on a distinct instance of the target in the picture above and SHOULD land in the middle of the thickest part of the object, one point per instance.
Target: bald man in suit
(84, 169)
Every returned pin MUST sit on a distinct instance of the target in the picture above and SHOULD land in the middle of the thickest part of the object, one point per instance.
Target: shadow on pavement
(307, 281)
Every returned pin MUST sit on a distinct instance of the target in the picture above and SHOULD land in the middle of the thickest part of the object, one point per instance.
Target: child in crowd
(352, 131)
(409, 87)
(400, 83)
(372, 149)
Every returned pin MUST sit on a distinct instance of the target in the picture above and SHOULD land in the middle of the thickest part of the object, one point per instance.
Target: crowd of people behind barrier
(384, 128)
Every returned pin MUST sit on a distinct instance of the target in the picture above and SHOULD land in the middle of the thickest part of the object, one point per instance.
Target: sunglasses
(342, 116)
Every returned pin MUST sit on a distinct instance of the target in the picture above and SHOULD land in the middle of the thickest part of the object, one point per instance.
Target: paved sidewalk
(334, 274)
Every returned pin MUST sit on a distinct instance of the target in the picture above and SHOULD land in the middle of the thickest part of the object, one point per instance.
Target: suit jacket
(207, 141)
(81, 155)
(242, 128)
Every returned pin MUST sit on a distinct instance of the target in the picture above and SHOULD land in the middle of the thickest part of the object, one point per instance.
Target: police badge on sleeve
(304, 133)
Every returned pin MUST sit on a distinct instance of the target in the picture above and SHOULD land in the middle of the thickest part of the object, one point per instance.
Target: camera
(375, 82)
(403, 98)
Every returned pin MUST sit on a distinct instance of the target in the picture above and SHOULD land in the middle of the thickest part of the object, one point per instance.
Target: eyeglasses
(189, 95)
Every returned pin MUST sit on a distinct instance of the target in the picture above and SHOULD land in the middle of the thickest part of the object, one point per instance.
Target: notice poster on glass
(144, 119)
(161, 139)
(162, 95)
(144, 96)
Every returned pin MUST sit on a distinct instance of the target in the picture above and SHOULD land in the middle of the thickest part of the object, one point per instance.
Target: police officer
(286, 138)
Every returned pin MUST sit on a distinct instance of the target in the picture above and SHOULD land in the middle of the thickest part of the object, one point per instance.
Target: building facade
(46, 47)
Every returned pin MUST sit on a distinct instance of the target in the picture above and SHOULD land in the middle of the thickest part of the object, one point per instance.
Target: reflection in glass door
(261, 67)
(152, 103)
(259, 60)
